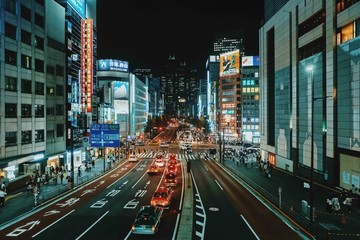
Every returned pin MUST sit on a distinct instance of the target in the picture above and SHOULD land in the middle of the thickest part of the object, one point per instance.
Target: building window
(10, 31)
(39, 65)
(39, 42)
(10, 57)
(10, 139)
(59, 70)
(10, 110)
(39, 135)
(311, 23)
(59, 110)
(25, 37)
(10, 6)
(25, 86)
(50, 111)
(50, 69)
(25, 13)
(25, 110)
(59, 130)
(59, 90)
(26, 137)
(50, 134)
(40, 2)
(39, 20)
(25, 61)
(39, 110)
(10, 84)
(50, 91)
(39, 88)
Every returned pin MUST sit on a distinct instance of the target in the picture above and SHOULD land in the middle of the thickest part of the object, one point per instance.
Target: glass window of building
(10, 110)
(25, 86)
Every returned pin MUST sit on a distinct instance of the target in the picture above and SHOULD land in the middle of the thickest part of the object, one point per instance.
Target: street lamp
(310, 69)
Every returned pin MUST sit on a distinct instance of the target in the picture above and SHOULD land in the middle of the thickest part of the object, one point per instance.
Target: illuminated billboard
(79, 6)
(230, 63)
(121, 107)
(248, 61)
(121, 90)
(113, 65)
(87, 64)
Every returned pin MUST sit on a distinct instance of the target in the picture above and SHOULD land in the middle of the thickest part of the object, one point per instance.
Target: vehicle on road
(152, 169)
(171, 168)
(162, 197)
(147, 220)
(170, 180)
(159, 162)
(133, 158)
(154, 143)
(139, 143)
(172, 161)
(164, 144)
(188, 150)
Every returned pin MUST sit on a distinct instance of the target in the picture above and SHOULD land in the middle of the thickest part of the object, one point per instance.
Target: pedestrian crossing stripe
(153, 154)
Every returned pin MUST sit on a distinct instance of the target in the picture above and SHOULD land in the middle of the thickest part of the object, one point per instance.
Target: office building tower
(309, 90)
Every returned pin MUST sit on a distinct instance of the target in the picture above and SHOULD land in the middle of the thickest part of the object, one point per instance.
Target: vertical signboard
(86, 64)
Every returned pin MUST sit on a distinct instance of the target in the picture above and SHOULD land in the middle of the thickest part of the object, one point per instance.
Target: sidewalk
(336, 226)
(20, 203)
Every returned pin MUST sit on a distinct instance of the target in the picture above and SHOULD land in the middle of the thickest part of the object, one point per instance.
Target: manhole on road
(214, 209)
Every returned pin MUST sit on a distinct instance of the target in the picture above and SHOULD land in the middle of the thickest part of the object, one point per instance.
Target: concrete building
(250, 99)
(32, 95)
(309, 89)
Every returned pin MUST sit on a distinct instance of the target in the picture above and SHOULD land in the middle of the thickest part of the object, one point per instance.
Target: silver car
(147, 220)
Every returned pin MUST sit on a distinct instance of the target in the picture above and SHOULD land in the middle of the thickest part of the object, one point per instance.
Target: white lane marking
(53, 223)
(92, 225)
(252, 230)
(219, 185)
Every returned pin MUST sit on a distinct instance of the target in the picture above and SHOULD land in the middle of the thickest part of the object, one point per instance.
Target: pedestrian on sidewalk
(347, 202)
(29, 186)
(2, 197)
(353, 190)
(3, 187)
(79, 171)
(61, 177)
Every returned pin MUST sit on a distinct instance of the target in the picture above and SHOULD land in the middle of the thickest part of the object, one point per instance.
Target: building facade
(32, 72)
(250, 99)
(309, 96)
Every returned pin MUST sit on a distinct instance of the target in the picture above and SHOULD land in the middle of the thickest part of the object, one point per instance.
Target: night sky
(145, 32)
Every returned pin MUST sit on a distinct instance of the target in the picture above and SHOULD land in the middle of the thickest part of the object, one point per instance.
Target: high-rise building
(179, 87)
(81, 59)
(32, 94)
(250, 111)
(309, 90)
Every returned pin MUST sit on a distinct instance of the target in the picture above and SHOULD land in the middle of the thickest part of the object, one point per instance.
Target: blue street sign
(105, 135)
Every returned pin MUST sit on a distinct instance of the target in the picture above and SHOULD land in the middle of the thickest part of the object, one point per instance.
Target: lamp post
(223, 142)
(311, 70)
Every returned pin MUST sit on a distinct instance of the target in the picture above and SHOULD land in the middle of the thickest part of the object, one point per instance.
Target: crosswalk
(178, 156)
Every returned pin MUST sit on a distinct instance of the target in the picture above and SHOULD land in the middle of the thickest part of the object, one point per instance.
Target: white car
(133, 158)
(159, 162)
(164, 144)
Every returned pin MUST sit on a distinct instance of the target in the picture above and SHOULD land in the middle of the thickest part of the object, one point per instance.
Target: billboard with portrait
(230, 63)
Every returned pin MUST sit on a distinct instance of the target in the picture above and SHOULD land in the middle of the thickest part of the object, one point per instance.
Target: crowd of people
(346, 198)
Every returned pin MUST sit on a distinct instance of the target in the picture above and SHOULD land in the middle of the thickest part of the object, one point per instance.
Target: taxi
(162, 197)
